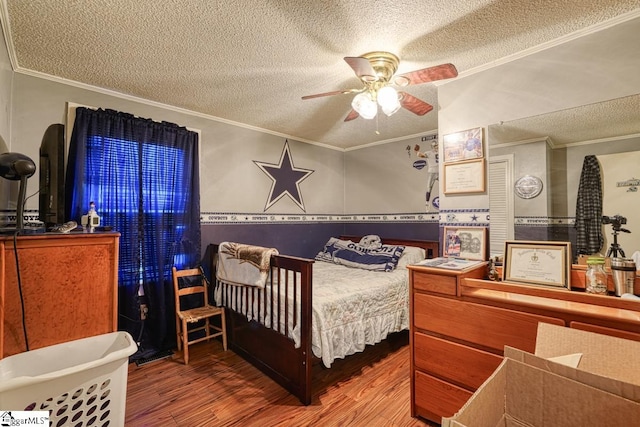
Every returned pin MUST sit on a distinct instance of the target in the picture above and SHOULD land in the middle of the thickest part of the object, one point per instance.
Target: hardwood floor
(219, 388)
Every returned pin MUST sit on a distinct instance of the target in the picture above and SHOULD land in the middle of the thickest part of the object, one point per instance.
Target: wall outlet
(144, 310)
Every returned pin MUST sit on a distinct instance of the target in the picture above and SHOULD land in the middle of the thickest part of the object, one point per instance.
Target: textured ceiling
(593, 122)
(250, 62)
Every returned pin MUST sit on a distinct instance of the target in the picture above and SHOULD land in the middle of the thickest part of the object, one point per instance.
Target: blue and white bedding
(369, 253)
(352, 307)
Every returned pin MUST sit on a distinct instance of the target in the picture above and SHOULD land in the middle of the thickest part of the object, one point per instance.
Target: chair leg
(178, 333)
(185, 342)
(224, 331)
(207, 328)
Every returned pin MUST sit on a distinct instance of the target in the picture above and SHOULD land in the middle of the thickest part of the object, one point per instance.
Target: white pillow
(411, 255)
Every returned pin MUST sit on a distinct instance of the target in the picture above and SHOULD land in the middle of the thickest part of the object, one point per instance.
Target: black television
(52, 152)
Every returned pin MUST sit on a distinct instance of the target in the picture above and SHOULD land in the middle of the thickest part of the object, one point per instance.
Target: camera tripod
(615, 248)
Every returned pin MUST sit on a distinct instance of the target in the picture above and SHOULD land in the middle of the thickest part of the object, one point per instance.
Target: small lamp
(14, 167)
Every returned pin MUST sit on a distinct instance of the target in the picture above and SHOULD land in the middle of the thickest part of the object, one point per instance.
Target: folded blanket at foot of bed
(244, 265)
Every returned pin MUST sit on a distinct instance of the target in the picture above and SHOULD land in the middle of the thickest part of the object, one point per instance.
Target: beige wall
(8, 190)
(230, 181)
(6, 75)
(382, 179)
(621, 200)
(377, 179)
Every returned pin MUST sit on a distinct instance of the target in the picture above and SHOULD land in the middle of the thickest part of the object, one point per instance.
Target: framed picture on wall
(464, 177)
(465, 242)
(464, 145)
(544, 263)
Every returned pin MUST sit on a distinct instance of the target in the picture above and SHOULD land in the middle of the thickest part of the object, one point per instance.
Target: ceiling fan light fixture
(401, 81)
(377, 71)
(387, 96)
(391, 110)
(388, 100)
(365, 105)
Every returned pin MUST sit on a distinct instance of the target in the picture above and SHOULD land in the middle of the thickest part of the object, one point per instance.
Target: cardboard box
(575, 378)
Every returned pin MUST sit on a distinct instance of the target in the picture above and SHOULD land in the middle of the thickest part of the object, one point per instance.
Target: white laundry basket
(80, 383)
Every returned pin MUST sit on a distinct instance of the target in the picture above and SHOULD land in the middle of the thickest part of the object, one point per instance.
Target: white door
(501, 212)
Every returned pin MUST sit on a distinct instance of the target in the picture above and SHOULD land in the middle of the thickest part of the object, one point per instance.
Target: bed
(283, 327)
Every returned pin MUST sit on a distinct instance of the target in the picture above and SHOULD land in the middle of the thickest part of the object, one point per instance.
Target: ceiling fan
(377, 71)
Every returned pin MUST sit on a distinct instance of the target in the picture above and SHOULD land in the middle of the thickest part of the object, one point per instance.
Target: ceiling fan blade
(335, 92)
(353, 114)
(319, 95)
(415, 105)
(425, 75)
(361, 66)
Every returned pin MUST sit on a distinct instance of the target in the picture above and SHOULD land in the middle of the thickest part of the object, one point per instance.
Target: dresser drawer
(463, 365)
(435, 399)
(488, 326)
(442, 284)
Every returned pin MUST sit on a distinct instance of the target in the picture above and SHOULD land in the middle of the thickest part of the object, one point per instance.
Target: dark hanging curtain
(143, 178)
(589, 239)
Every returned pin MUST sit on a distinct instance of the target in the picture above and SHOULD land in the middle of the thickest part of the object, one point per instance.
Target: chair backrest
(199, 286)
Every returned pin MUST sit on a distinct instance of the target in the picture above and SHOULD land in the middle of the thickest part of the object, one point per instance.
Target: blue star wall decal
(286, 178)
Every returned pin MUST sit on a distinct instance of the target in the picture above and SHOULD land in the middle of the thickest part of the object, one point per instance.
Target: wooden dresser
(69, 288)
(461, 323)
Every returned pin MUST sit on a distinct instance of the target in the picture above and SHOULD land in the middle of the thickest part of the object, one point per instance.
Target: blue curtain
(143, 178)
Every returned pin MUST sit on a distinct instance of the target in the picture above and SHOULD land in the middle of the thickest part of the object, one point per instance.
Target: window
(136, 202)
(143, 178)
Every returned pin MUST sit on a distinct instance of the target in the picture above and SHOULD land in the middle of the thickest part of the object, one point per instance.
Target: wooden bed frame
(270, 350)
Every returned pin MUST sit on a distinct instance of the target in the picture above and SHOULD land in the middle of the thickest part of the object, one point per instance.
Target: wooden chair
(192, 315)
